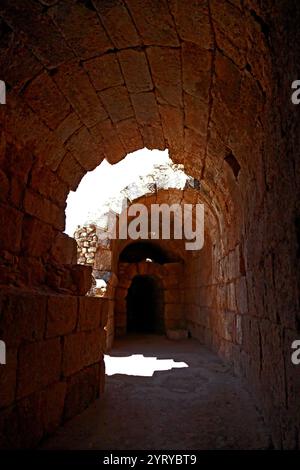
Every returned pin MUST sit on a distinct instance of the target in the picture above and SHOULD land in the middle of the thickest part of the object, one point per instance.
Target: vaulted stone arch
(88, 80)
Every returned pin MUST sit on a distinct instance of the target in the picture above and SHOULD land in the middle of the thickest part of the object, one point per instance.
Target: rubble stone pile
(87, 242)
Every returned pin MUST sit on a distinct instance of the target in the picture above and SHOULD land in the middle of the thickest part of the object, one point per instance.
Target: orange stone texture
(209, 80)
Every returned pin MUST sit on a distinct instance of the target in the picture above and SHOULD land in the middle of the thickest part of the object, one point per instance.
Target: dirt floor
(196, 405)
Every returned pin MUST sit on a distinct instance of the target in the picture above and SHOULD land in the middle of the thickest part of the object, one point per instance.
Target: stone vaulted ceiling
(94, 79)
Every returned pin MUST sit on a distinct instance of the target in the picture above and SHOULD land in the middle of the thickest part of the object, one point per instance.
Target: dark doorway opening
(145, 306)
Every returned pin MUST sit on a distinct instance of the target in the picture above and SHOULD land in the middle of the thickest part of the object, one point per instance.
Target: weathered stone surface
(147, 115)
(173, 311)
(11, 227)
(90, 313)
(44, 209)
(81, 28)
(22, 318)
(212, 82)
(229, 326)
(173, 296)
(82, 278)
(107, 312)
(47, 101)
(27, 17)
(195, 147)
(117, 103)
(241, 296)
(172, 123)
(52, 405)
(193, 23)
(4, 182)
(228, 76)
(112, 146)
(168, 85)
(177, 334)
(61, 315)
(73, 353)
(130, 135)
(76, 86)
(118, 23)
(196, 70)
(104, 71)
(196, 114)
(68, 126)
(33, 272)
(88, 152)
(8, 379)
(39, 365)
(94, 344)
(229, 29)
(154, 22)
(24, 427)
(135, 71)
(45, 182)
(11, 72)
(64, 249)
(82, 389)
(70, 171)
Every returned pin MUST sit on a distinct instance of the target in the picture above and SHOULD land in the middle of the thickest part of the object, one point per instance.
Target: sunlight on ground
(139, 365)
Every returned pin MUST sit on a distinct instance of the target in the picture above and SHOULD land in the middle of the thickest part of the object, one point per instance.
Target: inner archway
(144, 305)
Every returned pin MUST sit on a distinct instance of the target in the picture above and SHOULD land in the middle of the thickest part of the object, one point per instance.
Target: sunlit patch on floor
(139, 365)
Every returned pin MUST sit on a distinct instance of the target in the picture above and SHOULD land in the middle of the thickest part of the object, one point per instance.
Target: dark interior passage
(145, 306)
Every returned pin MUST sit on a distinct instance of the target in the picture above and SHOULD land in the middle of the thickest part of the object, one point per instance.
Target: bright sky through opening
(106, 181)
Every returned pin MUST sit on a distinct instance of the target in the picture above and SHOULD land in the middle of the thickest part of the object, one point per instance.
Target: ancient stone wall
(87, 242)
(54, 366)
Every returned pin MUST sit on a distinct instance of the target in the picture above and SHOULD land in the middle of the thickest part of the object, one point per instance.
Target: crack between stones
(129, 94)
(100, 101)
(156, 100)
(213, 61)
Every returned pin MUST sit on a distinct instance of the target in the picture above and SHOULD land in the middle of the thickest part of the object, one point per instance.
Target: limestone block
(23, 317)
(52, 405)
(90, 313)
(39, 365)
(73, 353)
(64, 249)
(62, 315)
(177, 334)
(82, 389)
(82, 278)
(95, 342)
(11, 228)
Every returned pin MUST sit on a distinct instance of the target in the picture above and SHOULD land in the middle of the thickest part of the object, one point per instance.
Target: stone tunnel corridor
(202, 406)
(89, 84)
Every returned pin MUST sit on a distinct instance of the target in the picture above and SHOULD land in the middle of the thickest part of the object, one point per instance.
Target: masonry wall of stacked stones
(212, 84)
(55, 365)
(87, 242)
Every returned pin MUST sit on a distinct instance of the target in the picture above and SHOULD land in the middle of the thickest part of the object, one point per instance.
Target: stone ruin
(87, 242)
(94, 80)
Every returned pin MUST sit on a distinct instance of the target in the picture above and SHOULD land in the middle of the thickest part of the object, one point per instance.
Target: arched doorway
(144, 303)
